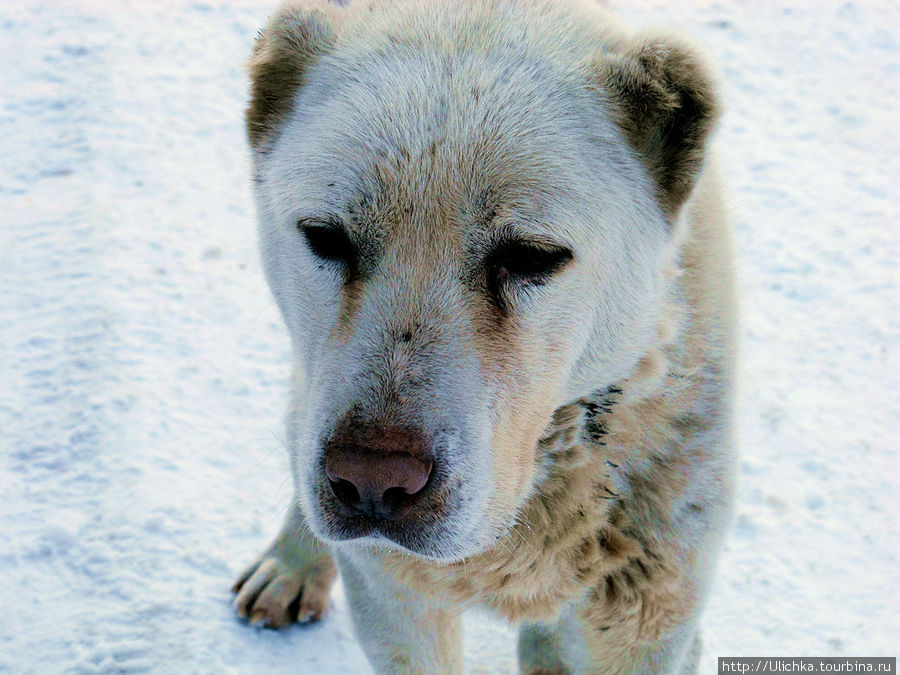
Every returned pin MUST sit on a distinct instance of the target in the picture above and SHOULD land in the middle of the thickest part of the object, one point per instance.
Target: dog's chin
(419, 544)
(433, 541)
(441, 539)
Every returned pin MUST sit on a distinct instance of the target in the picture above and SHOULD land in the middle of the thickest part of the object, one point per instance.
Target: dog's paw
(289, 582)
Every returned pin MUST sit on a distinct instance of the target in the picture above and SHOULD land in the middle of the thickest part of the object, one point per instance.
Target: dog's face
(460, 241)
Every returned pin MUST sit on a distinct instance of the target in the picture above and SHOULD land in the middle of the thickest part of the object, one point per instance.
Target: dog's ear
(664, 100)
(295, 37)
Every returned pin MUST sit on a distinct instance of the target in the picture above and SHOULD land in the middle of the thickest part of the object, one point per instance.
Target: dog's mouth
(390, 533)
(416, 523)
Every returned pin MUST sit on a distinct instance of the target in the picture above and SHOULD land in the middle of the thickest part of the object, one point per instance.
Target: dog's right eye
(519, 264)
(329, 242)
(526, 262)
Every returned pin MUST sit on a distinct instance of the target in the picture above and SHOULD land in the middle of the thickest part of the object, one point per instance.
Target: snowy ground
(143, 366)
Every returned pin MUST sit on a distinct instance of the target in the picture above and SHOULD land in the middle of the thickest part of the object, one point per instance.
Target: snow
(143, 372)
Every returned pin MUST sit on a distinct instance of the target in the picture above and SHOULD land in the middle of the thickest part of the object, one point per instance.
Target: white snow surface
(144, 368)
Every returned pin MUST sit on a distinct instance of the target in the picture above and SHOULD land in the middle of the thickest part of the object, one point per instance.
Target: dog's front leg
(557, 647)
(290, 580)
(400, 630)
(572, 645)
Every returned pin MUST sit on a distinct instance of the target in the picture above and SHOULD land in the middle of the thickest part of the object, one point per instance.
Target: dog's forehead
(399, 143)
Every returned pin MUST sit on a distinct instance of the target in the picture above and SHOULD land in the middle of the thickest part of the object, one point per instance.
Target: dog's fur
(580, 425)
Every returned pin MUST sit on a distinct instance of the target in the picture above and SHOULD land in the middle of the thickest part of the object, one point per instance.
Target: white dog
(493, 231)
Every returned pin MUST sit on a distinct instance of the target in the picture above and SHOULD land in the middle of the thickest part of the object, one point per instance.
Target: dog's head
(463, 213)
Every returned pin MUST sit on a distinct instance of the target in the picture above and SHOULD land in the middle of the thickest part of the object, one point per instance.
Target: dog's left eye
(329, 242)
(526, 261)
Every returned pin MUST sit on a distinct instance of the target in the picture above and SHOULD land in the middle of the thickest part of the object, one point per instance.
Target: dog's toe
(314, 601)
(273, 605)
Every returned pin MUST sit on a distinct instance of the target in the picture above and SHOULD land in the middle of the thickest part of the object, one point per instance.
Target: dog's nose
(378, 472)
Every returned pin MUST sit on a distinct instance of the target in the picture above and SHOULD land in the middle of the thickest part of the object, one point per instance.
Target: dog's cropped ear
(664, 100)
(295, 37)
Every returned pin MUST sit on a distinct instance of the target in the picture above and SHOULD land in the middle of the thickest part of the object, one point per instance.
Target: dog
(497, 236)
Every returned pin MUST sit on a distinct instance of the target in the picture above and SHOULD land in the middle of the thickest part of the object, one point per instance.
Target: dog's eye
(526, 262)
(329, 242)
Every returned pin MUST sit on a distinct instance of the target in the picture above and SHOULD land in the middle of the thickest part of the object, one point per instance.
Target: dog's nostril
(345, 491)
(397, 498)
